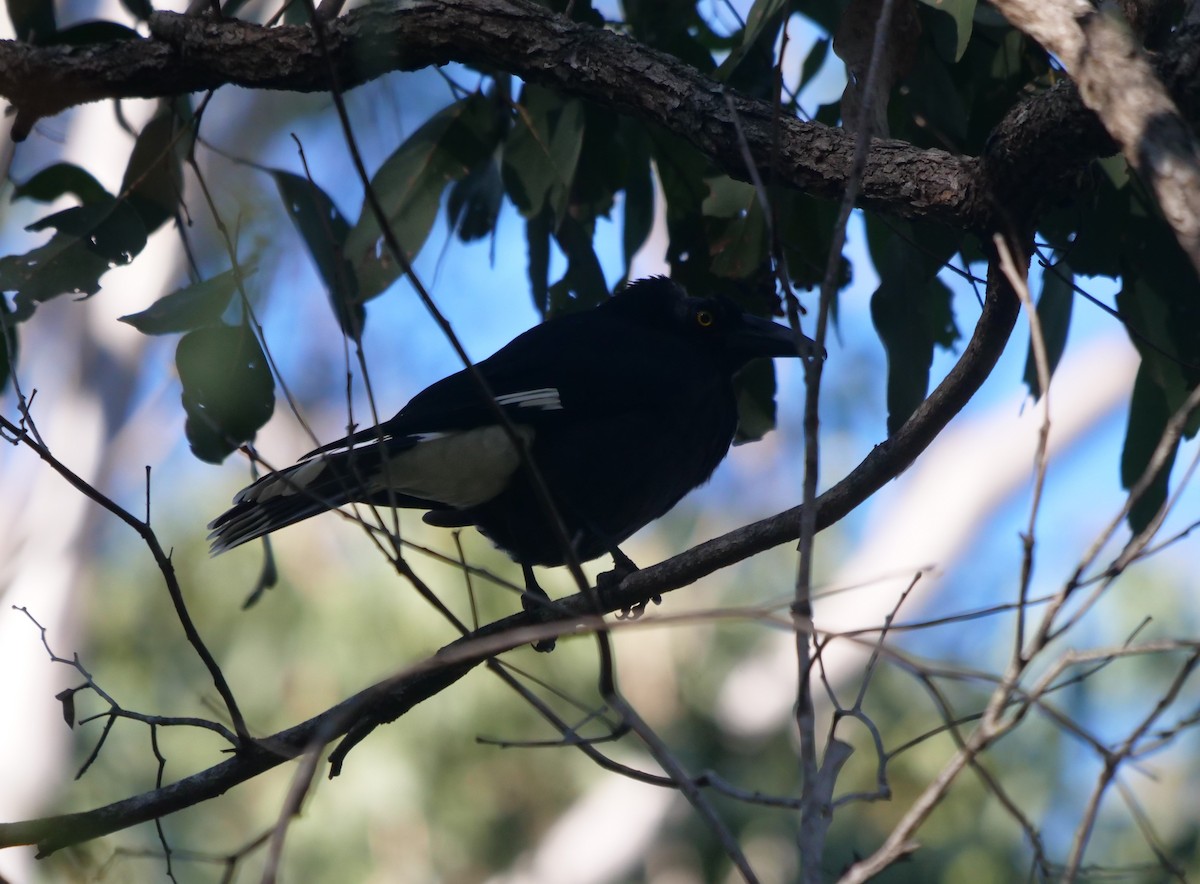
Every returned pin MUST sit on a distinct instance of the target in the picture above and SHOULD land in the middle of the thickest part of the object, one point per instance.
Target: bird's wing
(555, 373)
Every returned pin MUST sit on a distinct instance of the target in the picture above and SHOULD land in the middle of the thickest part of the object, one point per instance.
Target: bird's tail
(279, 499)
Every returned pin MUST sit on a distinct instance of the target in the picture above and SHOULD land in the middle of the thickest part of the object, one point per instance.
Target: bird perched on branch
(621, 410)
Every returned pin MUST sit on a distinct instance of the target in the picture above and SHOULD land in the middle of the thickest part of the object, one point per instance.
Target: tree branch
(188, 54)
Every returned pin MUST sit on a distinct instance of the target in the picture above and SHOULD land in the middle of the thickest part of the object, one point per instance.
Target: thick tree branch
(390, 699)
(187, 54)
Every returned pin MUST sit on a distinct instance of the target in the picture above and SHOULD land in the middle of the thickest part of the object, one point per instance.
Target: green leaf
(8, 342)
(33, 20)
(813, 61)
(154, 175)
(583, 285)
(910, 309)
(109, 228)
(933, 96)
(762, 14)
(1054, 316)
(542, 151)
(899, 312)
(409, 186)
(806, 234)
(58, 180)
(474, 201)
(1163, 316)
(738, 243)
(675, 27)
(193, 306)
(90, 239)
(537, 235)
(228, 392)
(1083, 232)
(65, 265)
(639, 200)
(141, 9)
(1149, 412)
(324, 232)
(952, 42)
(755, 389)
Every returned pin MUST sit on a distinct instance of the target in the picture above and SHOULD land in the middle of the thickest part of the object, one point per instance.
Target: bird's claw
(635, 611)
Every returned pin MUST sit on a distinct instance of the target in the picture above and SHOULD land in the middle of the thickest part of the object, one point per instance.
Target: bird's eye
(704, 318)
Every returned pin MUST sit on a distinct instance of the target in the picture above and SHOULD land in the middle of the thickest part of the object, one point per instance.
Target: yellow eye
(704, 318)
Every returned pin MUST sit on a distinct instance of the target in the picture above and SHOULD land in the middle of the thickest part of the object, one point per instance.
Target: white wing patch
(457, 469)
(545, 399)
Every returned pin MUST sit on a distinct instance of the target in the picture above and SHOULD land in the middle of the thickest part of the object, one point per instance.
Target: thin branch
(161, 559)
(1016, 278)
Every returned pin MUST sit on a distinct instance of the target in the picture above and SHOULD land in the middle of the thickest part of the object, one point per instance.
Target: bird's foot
(633, 612)
(623, 566)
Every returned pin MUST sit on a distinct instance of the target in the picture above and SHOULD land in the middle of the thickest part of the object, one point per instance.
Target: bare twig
(1037, 343)
(161, 559)
(819, 781)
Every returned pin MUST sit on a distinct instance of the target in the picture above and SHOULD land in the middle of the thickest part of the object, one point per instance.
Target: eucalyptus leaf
(409, 187)
(542, 151)
(228, 391)
(762, 14)
(639, 203)
(61, 179)
(324, 231)
(193, 306)
(8, 342)
(958, 33)
(154, 175)
(90, 240)
(474, 201)
(1149, 411)
(1054, 316)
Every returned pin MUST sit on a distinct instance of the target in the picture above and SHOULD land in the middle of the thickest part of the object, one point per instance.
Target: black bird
(623, 409)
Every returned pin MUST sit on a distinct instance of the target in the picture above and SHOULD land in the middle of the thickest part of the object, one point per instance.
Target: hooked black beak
(757, 337)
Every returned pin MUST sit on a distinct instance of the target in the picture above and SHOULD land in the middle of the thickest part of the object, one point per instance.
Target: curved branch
(1049, 133)
(187, 54)
(390, 699)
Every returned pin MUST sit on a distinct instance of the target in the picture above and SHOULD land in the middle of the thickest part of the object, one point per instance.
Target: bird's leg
(623, 566)
(534, 598)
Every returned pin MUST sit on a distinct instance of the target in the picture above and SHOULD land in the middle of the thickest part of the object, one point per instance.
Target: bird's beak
(758, 337)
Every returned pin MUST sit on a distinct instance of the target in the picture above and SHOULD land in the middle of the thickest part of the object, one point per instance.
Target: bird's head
(717, 323)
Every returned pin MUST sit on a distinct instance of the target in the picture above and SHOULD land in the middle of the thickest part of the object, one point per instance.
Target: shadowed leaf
(193, 306)
(1148, 416)
(228, 391)
(542, 151)
(324, 232)
(409, 186)
(8, 342)
(59, 179)
(1054, 315)
(154, 176)
(91, 239)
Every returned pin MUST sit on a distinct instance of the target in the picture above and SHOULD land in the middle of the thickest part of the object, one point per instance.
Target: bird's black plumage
(623, 409)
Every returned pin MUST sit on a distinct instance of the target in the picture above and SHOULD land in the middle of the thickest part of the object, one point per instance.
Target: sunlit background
(424, 799)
